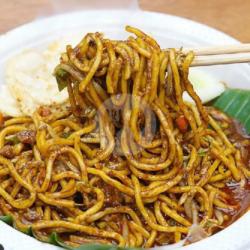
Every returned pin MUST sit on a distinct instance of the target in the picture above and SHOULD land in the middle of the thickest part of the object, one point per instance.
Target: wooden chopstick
(221, 59)
(217, 50)
(228, 54)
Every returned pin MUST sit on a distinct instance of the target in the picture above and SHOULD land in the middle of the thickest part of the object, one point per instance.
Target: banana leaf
(235, 103)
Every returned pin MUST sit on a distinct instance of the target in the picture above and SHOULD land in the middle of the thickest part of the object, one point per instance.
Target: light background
(230, 16)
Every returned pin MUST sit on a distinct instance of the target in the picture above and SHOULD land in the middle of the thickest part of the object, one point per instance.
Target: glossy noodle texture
(127, 161)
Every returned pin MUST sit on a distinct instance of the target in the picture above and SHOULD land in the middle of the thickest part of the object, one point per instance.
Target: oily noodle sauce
(239, 196)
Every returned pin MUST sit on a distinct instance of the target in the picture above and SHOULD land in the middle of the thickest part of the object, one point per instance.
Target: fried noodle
(129, 162)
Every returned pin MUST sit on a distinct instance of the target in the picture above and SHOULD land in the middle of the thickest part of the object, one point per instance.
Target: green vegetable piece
(235, 103)
(13, 139)
(8, 219)
(202, 152)
(28, 231)
(61, 84)
(61, 73)
(53, 239)
(61, 78)
(66, 134)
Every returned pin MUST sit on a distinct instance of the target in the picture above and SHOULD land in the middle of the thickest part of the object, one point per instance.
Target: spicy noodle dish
(124, 159)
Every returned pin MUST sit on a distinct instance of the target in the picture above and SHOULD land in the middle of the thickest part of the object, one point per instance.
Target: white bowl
(170, 31)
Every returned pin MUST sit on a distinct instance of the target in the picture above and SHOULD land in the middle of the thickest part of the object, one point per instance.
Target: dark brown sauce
(239, 196)
(240, 199)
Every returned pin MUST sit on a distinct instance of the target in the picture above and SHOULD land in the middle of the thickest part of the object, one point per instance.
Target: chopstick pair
(228, 54)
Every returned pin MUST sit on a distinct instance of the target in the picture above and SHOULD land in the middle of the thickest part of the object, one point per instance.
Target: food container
(170, 31)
